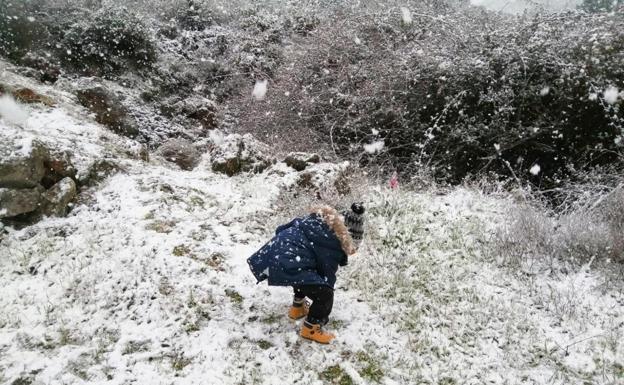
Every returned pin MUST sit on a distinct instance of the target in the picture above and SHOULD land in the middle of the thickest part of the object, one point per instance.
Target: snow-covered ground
(146, 282)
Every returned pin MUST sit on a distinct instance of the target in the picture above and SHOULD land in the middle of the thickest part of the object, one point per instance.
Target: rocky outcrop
(34, 182)
(14, 202)
(26, 95)
(98, 171)
(200, 109)
(181, 152)
(300, 160)
(108, 110)
(47, 71)
(22, 163)
(240, 153)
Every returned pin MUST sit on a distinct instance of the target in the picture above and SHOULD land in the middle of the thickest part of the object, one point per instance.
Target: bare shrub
(529, 234)
(577, 236)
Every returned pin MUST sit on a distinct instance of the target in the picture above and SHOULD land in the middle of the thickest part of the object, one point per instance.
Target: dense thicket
(463, 93)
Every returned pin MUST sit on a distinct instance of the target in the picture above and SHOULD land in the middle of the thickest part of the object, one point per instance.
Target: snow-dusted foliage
(442, 90)
(438, 82)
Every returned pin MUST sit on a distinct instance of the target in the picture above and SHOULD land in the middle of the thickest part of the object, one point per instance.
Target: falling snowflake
(535, 170)
(374, 147)
(260, 89)
(611, 95)
(406, 16)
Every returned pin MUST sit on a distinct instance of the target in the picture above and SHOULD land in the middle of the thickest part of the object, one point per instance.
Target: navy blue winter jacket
(305, 251)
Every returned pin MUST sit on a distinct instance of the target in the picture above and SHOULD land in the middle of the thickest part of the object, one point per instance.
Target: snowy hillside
(145, 281)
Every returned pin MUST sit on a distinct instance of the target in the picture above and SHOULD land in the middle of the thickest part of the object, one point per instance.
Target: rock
(46, 70)
(58, 167)
(181, 152)
(108, 110)
(15, 202)
(57, 198)
(22, 163)
(326, 178)
(201, 109)
(98, 171)
(240, 153)
(26, 95)
(300, 160)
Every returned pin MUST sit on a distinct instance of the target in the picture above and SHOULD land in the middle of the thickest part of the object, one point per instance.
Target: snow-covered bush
(20, 31)
(108, 43)
(484, 93)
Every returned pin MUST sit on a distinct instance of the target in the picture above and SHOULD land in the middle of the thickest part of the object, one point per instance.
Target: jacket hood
(336, 223)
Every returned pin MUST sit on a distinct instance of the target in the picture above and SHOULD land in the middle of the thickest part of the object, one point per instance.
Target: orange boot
(297, 312)
(316, 333)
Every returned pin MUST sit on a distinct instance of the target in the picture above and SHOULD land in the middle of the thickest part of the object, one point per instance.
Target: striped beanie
(354, 220)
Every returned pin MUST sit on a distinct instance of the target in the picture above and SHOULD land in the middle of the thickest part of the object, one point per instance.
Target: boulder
(240, 153)
(15, 202)
(201, 109)
(58, 167)
(22, 163)
(57, 198)
(181, 152)
(300, 160)
(108, 110)
(98, 171)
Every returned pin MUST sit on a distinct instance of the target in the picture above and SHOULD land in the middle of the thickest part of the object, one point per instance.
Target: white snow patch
(12, 112)
(217, 137)
(260, 89)
(374, 147)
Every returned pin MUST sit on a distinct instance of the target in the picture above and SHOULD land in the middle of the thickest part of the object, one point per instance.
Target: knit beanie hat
(354, 220)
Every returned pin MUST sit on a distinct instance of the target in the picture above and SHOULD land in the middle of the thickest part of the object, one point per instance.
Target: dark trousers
(322, 301)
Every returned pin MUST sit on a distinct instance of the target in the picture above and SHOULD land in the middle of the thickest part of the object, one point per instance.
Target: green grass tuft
(336, 375)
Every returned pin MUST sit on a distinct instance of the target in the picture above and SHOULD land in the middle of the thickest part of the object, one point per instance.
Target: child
(305, 254)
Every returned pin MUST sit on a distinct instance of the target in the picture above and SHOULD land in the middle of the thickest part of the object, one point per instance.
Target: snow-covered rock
(108, 110)
(58, 197)
(181, 152)
(15, 202)
(240, 153)
(300, 160)
(22, 163)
